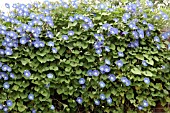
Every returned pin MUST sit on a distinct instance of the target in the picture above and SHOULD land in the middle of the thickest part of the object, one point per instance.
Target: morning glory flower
(140, 107)
(7, 5)
(41, 44)
(102, 68)
(102, 84)
(70, 33)
(85, 26)
(116, 20)
(98, 51)
(23, 40)
(124, 79)
(126, 15)
(5, 109)
(50, 75)
(8, 52)
(145, 103)
(112, 77)
(9, 103)
(128, 82)
(97, 102)
(144, 63)
(158, 46)
(114, 31)
(54, 50)
(6, 85)
(50, 43)
(27, 73)
(52, 107)
(146, 80)
(107, 61)
(150, 26)
(1, 106)
(156, 39)
(149, 3)
(120, 54)
(12, 75)
(119, 63)
(81, 81)
(168, 46)
(141, 33)
(90, 73)
(102, 96)
(95, 72)
(31, 96)
(135, 34)
(65, 37)
(79, 100)
(106, 69)
(109, 100)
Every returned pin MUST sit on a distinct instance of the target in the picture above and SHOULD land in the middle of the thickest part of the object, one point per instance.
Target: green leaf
(24, 61)
(21, 108)
(112, 46)
(136, 71)
(148, 73)
(61, 50)
(151, 62)
(140, 57)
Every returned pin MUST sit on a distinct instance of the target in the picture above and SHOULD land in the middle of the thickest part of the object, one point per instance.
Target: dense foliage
(83, 57)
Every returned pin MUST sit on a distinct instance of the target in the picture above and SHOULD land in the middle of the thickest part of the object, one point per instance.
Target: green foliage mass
(77, 55)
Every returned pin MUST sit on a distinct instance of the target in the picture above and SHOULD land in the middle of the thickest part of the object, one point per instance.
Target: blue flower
(81, 81)
(90, 73)
(144, 63)
(54, 50)
(119, 63)
(31, 96)
(112, 77)
(109, 100)
(8, 52)
(116, 20)
(50, 75)
(27, 73)
(102, 68)
(158, 46)
(6, 85)
(156, 39)
(149, 3)
(106, 68)
(107, 61)
(41, 44)
(12, 75)
(105, 26)
(126, 15)
(52, 107)
(145, 103)
(107, 48)
(70, 33)
(150, 26)
(102, 96)
(114, 31)
(146, 80)
(124, 79)
(98, 51)
(9, 103)
(140, 107)
(95, 72)
(120, 54)
(49, 34)
(135, 34)
(168, 46)
(148, 33)
(144, 15)
(102, 84)
(79, 100)
(141, 33)
(5, 109)
(50, 43)
(1, 106)
(128, 82)
(85, 26)
(97, 102)
(7, 5)
(23, 40)
(65, 37)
